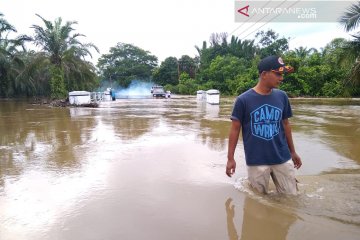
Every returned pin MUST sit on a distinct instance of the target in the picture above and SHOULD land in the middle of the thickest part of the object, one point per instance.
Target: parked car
(155, 87)
(159, 92)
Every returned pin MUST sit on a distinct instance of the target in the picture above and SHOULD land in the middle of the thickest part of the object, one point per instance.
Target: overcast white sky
(163, 27)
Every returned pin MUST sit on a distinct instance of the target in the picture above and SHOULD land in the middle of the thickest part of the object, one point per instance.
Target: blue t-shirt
(262, 128)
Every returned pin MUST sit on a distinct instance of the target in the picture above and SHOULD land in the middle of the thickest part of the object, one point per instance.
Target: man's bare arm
(295, 157)
(233, 139)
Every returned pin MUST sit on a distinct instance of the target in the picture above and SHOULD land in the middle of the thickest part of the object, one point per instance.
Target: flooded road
(155, 169)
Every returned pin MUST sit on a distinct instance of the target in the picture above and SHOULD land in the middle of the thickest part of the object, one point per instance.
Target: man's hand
(230, 167)
(297, 160)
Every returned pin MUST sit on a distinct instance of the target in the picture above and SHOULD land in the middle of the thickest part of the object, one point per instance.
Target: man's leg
(283, 176)
(259, 177)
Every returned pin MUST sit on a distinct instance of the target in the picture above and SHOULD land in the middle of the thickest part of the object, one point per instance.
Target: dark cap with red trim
(275, 64)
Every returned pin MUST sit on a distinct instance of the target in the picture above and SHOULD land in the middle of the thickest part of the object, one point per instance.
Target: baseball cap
(274, 63)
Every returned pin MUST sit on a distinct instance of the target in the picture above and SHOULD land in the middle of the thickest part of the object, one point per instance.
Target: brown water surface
(154, 169)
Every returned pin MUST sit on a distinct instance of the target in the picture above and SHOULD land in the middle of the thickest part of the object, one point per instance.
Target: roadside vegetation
(60, 63)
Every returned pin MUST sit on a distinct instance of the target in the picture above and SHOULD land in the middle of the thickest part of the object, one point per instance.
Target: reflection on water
(259, 221)
(162, 161)
(34, 136)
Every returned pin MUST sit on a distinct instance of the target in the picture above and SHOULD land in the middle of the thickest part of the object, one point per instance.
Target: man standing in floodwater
(262, 113)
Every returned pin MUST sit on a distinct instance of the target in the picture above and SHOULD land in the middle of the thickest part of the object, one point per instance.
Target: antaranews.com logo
(289, 11)
(300, 12)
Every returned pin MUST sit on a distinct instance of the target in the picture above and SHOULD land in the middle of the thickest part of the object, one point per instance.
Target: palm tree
(66, 56)
(304, 52)
(242, 49)
(350, 20)
(11, 62)
(5, 26)
(351, 17)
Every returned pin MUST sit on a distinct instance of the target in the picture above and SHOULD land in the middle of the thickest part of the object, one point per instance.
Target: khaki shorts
(283, 176)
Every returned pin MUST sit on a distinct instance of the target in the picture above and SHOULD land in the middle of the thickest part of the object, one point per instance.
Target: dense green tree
(293, 84)
(187, 85)
(167, 73)
(335, 55)
(334, 52)
(223, 71)
(125, 63)
(247, 78)
(270, 43)
(223, 61)
(188, 65)
(316, 73)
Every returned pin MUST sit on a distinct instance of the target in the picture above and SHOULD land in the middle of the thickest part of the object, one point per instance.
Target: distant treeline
(226, 63)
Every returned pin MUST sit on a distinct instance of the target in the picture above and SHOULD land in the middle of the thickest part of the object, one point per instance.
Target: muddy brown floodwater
(155, 169)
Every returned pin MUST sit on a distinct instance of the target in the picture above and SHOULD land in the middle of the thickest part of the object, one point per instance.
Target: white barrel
(213, 96)
(79, 97)
(200, 95)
